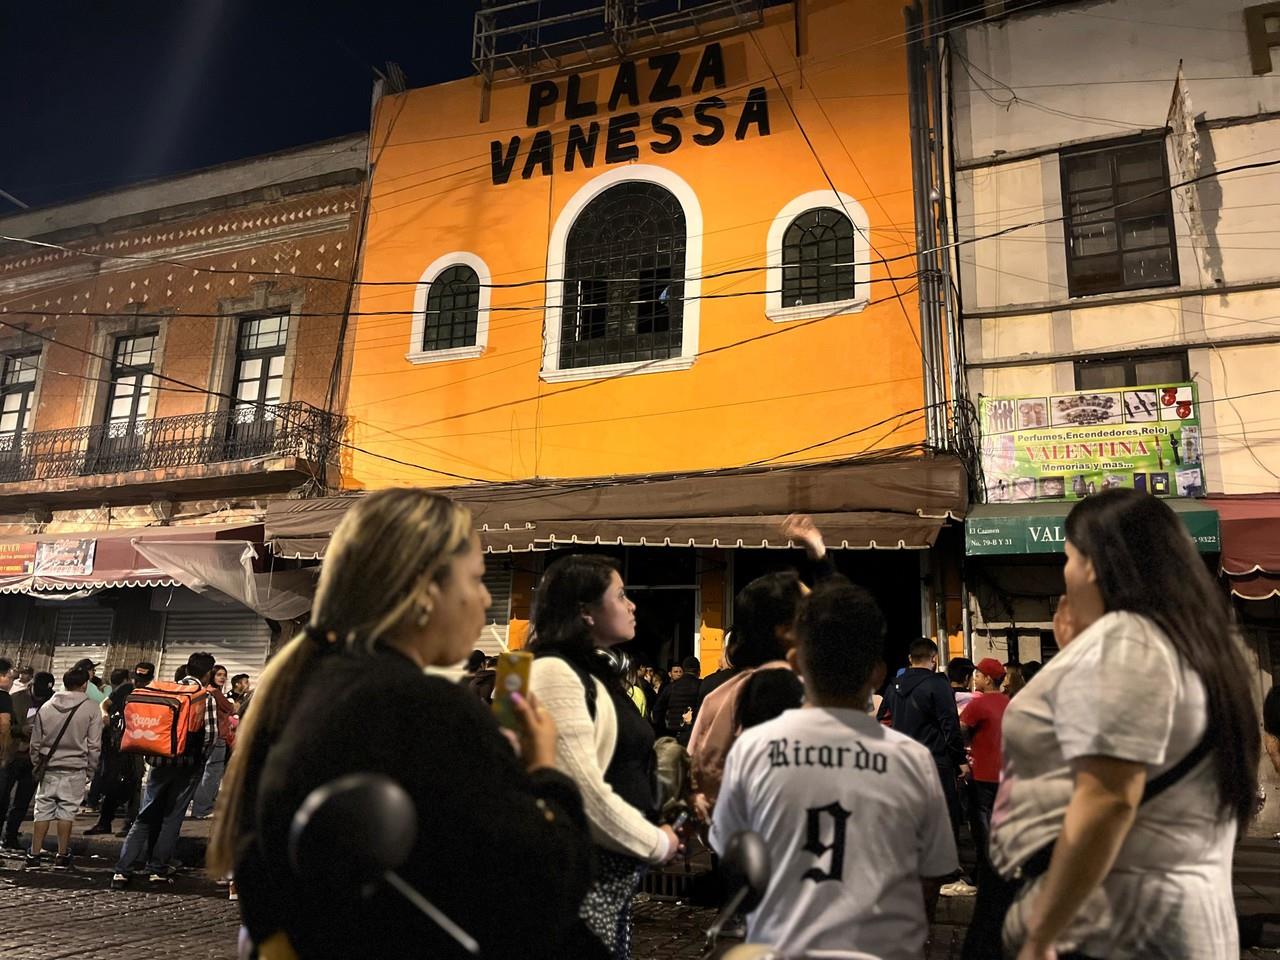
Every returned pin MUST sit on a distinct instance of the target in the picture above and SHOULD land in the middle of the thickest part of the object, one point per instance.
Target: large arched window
(451, 310)
(819, 259)
(624, 278)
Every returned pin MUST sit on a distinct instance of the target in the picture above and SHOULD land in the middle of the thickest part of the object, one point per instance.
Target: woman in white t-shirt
(1150, 682)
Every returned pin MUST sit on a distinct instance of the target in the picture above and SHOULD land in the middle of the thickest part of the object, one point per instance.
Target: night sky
(97, 94)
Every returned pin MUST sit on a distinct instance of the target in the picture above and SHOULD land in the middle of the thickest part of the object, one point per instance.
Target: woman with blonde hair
(401, 590)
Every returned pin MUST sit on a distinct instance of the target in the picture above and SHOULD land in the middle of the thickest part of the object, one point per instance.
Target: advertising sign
(1068, 446)
(17, 559)
(65, 558)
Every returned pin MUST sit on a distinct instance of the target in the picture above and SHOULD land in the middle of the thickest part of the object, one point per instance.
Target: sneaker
(62, 862)
(232, 892)
(34, 861)
(124, 831)
(120, 881)
(163, 875)
(958, 889)
(98, 829)
(11, 845)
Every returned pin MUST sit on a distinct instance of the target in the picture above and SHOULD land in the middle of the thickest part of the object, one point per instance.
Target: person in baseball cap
(96, 693)
(993, 669)
(982, 722)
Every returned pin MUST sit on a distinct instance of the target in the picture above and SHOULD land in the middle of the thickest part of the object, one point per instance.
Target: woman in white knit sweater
(603, 742)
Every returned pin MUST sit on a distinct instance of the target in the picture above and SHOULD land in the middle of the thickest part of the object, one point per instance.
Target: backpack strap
(1179, 770)
(46, 758)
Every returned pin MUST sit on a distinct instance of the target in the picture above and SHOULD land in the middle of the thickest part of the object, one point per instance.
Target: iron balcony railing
(247, 432)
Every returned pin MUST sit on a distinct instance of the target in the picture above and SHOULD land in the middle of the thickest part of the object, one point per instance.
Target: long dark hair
(1147, 564)
(557, 627)
(760, 607)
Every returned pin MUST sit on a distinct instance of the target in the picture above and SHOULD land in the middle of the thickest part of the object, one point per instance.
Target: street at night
(640, 479)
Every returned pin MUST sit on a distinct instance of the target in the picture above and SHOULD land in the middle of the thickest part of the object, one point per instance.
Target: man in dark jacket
(921, 704)
(677, 705)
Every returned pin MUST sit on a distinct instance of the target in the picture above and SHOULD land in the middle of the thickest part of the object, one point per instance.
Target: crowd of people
(1103, 822)
(61, 756)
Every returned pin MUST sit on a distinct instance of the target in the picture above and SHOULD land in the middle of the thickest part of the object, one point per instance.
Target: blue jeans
(154, 834)
(207, 791)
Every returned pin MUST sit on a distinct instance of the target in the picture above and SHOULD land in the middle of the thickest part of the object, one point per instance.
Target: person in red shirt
(980, 723)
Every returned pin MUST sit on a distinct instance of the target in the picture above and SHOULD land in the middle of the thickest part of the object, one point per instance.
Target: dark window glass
(624, 278)
(1131, 372)
(817, 258)
(453, 309)
(1119, 219)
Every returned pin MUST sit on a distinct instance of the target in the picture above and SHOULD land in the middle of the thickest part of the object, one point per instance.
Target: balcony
(235, 450)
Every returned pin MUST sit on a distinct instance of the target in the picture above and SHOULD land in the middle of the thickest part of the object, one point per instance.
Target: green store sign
(1013, 529)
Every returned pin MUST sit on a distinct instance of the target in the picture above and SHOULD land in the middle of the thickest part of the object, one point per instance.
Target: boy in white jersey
(851, 811)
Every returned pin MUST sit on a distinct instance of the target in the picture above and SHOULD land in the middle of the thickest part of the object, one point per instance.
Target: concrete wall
(1026, 86)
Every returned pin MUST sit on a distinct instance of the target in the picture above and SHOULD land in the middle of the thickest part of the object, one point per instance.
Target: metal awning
(891, 505)
(1010, 529)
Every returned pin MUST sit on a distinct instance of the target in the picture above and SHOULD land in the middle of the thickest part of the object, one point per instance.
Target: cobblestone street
(193, 918)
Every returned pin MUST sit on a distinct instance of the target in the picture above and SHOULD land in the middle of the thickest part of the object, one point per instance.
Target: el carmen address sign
(618, 139)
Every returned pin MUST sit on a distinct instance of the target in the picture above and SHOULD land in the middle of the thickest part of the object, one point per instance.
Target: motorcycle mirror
(746, 867)
(353, 830)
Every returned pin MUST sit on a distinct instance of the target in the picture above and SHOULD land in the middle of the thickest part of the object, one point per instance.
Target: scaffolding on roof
(526, 39)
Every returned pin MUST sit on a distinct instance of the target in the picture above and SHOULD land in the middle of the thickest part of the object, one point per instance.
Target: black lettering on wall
(582, 145)
(715, 126)
(575, 108)
(710, 67)
(539, 155)
(755, 110)
(625, 83)
(662, 125)
(501, 164)
(663, 89)
(620, 144)
(541, 94)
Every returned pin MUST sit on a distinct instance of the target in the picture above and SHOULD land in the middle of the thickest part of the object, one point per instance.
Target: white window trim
(419, 327)
(773, 307)
(692, 309)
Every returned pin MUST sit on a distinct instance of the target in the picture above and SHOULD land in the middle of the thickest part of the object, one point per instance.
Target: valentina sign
(618, 139)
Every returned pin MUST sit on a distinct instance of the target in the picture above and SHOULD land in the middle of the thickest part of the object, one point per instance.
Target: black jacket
(488, 832)
(673, 701)
(921, 704)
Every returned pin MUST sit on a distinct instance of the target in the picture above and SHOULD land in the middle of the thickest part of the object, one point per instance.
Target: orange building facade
(687, 268)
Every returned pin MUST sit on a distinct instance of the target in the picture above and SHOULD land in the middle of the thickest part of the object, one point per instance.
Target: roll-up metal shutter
(238, 639)
(80, 630)
(497, 577)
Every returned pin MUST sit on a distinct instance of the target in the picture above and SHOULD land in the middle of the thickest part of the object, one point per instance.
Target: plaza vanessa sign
(619, 138)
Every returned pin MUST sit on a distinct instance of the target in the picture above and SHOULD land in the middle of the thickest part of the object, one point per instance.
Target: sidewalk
(106, 847)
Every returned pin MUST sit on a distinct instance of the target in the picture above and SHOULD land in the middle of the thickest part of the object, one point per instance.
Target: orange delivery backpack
(159, 717)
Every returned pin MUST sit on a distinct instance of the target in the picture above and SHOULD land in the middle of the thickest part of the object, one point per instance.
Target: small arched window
(817, 258)
(453, 309)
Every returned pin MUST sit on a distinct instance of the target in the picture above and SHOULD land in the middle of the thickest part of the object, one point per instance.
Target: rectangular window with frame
(129, 390)
(1133, 371)
(260, 353)
(17, 388)
(1118, 218)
